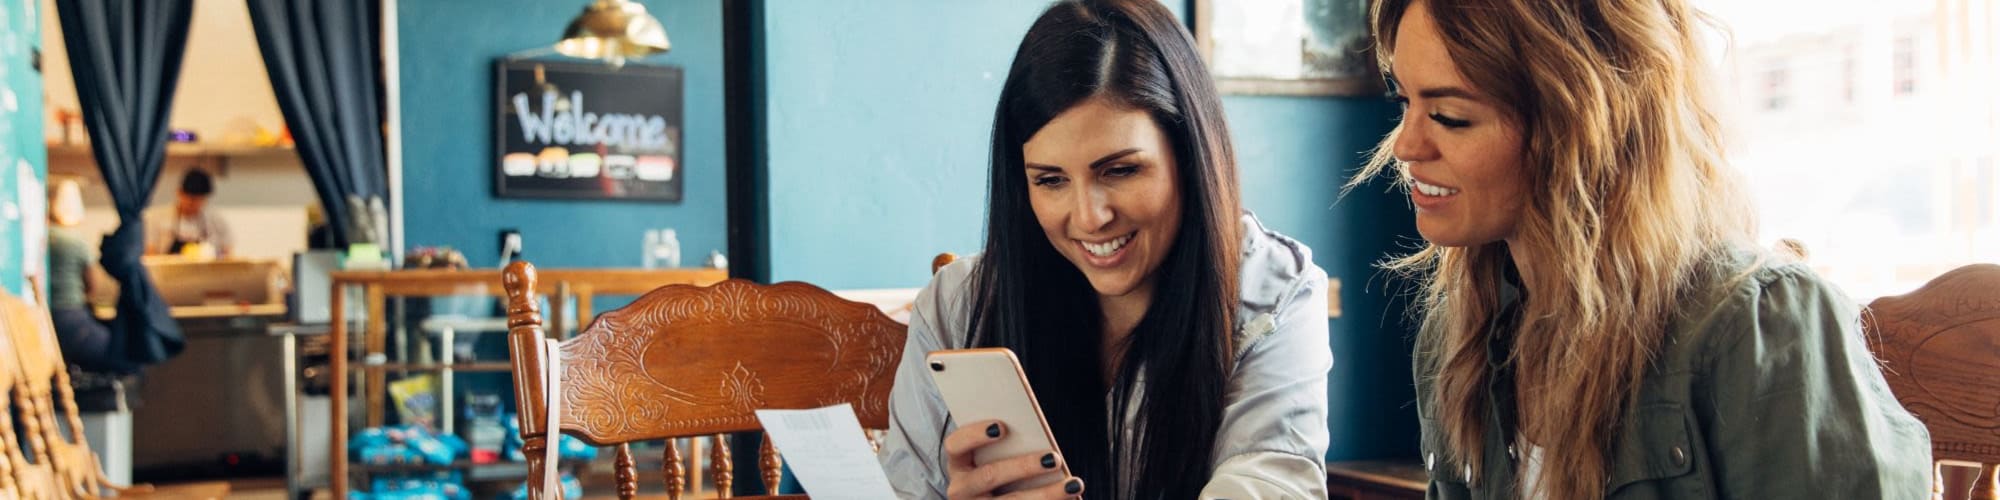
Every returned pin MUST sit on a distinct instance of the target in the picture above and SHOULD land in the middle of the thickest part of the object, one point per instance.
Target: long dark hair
(1028, 298)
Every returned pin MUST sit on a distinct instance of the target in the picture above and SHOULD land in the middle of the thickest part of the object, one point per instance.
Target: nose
(1413, 143)
(1093, 211)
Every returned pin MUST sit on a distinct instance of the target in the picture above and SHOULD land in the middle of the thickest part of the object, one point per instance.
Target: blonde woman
(1596, 323)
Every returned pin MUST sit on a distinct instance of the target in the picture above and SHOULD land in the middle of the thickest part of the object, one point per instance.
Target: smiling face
(1461, 153)
(1105, 189)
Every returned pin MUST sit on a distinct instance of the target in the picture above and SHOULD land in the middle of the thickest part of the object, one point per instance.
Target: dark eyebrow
(1112, 157)
(1396, 89)
(1093, 165)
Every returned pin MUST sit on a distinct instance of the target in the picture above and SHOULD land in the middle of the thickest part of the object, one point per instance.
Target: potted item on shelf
(405, 445)
(484, 431)
(416, 447)
(416, 400)
(434, 258)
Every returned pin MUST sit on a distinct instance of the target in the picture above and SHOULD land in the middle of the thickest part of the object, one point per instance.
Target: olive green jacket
(1763, 389)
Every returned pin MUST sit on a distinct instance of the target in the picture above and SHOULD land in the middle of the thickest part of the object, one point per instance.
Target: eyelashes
(1449, 122)
(1054, 181)
(1403, 106)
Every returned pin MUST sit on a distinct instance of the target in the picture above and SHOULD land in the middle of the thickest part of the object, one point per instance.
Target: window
(1847, 75)
(1979, 203)
(1775, 75)
(1902, 186)
(1906, 66)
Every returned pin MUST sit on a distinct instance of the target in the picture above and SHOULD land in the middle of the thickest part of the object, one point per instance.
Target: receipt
(827, 452)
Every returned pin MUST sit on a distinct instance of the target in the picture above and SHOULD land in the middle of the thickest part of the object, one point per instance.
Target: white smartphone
(988, 384)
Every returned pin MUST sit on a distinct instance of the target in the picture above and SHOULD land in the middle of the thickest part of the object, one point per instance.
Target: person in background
(85, 341)
(190, 223)
(1598, 322)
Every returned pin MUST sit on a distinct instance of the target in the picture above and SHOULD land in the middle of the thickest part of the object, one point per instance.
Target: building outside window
(1868, 131)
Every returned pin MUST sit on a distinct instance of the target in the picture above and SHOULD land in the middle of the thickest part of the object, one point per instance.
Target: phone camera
(937, 366)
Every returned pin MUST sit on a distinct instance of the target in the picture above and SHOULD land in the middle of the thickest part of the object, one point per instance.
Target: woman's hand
(969, 481)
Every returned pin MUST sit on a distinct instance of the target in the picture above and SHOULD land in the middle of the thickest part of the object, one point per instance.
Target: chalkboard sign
(591, 131)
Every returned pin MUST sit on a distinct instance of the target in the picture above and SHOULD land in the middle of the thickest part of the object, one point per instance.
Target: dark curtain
(321, 56)
(126, 57)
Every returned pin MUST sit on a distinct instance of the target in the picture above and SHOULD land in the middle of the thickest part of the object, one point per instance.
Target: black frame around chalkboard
(634, 92)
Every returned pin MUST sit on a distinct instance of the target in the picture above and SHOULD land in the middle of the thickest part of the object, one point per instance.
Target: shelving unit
(378, 287)
(76, 160)
(495, 366)
(473, 472)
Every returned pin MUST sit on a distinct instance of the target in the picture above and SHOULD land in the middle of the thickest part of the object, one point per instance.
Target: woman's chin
(1112, 286)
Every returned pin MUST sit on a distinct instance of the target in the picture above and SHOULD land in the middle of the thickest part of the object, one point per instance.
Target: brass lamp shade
(613, 30)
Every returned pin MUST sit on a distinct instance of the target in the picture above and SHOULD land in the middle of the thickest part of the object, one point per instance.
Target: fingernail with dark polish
(1049, 461)
(993, 430)
(1075, 485)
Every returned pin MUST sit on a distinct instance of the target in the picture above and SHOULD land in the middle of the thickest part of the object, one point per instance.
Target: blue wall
(876, 120)
(447, 50)
(874, 125)
(23, 158)
(1294, 153)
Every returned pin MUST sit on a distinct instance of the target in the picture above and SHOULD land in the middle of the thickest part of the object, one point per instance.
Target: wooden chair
(39, 374)
(64, 466)
(1940, 350)
(688, 361)
(943, 259)
(18, 477)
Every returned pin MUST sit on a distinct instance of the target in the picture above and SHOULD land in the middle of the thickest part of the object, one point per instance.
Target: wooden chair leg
(1987, 486)
(671, 469)
(627, 472)
(772, 467)
(7, 487)
(724, 477)
(532, 448)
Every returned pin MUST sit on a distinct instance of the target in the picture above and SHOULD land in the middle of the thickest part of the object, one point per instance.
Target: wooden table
(1376, 480)
(378, 285)
(107, 312)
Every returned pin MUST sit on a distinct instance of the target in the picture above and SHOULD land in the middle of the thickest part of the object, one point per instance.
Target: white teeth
(1432, 190)
(1105, 249)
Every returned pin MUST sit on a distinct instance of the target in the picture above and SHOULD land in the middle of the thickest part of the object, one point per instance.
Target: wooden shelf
(493, 366)
(77, 160)
(473, 472)
(185, 149)
(579, 285)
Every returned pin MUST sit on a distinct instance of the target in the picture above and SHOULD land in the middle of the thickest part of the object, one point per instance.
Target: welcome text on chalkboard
(590, 131)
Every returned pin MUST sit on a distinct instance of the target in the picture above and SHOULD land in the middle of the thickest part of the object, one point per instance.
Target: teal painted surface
(447, 53)
(1294, 153)
(877, 118)
(23, 158)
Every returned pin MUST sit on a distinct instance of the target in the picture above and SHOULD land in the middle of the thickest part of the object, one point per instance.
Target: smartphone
(988, 384)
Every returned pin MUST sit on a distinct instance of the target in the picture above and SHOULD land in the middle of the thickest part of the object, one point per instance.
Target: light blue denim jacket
(1273, 436)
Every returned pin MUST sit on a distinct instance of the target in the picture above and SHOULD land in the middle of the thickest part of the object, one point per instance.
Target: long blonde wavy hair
(1623, 156)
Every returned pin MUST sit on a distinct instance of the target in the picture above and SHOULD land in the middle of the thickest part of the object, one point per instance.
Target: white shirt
(1273, 437)
(166, 225)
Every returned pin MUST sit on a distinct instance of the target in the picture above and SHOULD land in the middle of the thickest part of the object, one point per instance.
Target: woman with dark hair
(1176, 345)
